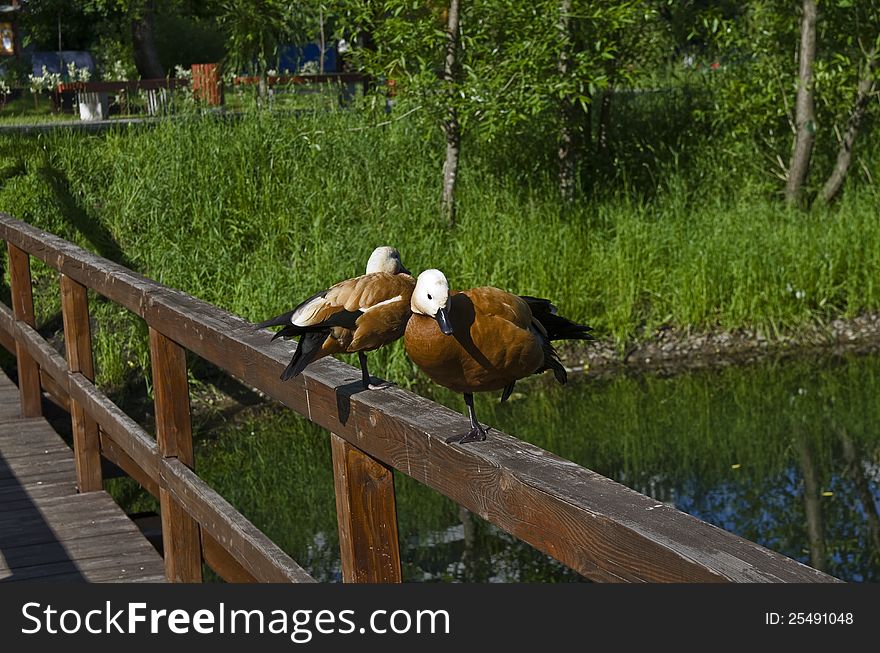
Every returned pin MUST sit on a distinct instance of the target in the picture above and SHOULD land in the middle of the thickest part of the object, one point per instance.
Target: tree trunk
(568, 132)
(805, 117)
(812, 506)
(451, 125)
(143, 27)
(867, 84)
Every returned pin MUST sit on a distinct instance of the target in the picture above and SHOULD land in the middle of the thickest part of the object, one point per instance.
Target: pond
(784, 453)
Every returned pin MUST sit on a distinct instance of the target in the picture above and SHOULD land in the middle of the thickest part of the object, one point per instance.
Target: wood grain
(367, 516)
(180, 532)
(78, 347)
(23, 309)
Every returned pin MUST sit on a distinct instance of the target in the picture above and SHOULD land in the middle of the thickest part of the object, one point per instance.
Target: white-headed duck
(483, 339)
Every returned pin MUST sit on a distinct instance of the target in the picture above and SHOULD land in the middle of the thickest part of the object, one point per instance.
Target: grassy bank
(256, 214)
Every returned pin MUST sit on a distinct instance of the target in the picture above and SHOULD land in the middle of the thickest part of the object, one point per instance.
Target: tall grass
(257, 213)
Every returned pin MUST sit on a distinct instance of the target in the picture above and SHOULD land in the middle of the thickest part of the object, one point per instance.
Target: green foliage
(753, 91)
(508, 62)
(255, 28)
(256, 214)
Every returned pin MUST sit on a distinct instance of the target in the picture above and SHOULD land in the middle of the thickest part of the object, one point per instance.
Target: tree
(805, 115)
(866, 90)
(493, 69)
(831, 86)
(451, 125)
(141, 18)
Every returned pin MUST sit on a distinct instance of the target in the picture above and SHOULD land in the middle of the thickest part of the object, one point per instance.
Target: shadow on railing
(594, 525)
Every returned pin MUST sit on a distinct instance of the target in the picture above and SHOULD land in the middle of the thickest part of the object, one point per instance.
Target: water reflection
(784, 454)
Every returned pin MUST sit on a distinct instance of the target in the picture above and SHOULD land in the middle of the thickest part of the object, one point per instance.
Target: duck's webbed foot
(477, 432)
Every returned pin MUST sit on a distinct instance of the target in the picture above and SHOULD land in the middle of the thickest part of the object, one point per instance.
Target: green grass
(26, 110)
(257, 213)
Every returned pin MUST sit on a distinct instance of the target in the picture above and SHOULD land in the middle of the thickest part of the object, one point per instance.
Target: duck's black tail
(556, 326)
(307, 348)
(311, 339)
(289, 329)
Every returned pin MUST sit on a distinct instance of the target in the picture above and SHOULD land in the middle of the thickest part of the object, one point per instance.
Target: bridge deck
(48, 531)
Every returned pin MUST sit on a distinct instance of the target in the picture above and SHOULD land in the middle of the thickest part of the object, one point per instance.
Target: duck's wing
(340, 305)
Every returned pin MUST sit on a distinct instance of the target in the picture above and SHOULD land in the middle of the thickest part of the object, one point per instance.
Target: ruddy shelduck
(355, 315)
(483, 339)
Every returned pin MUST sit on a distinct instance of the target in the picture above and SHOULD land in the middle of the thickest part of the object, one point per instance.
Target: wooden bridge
(594, 525)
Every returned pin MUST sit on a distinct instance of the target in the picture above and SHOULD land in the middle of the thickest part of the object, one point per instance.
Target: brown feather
(492, 343)
(378, 325)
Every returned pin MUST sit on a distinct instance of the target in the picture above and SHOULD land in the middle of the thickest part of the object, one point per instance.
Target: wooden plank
(120, 432)
(590, 523)
(22, 468)
(132, 86)
(30, 437)
(63, 487)
(367, 516)
(180, 532)
(33, 485)
(78, 346)
(49, 360)
(223, 563)
(33, 531)
(23, 309)
(245, 542)
(113, 568)
(7, 341)
(63, 518)
(54, 391)
(117, 455)
(79, 537)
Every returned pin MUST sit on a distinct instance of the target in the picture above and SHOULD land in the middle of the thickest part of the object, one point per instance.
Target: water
(732, 447)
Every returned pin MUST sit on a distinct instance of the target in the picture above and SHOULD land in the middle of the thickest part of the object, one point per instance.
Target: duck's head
(386, 259)
(431, 298)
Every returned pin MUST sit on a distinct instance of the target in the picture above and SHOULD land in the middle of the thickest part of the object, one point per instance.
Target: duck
(354, 316)
(483, 339)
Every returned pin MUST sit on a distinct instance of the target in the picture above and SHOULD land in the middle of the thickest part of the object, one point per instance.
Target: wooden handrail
(594, 525)
(115, 87)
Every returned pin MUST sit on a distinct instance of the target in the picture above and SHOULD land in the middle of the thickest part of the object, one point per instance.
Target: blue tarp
(292, 57)
(56, 62)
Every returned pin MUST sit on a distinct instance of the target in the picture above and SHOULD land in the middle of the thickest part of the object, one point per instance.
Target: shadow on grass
(98, 235)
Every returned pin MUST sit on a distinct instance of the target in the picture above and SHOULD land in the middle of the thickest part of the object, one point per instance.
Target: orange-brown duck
(355, 315)
(483, 339)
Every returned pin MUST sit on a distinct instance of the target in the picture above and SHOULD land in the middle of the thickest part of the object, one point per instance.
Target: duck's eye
(430, 298)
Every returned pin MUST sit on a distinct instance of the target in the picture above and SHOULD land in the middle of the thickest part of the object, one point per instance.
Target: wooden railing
(590, 523)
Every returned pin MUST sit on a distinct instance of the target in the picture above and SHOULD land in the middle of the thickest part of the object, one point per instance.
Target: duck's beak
(442, 318)
(402, 269)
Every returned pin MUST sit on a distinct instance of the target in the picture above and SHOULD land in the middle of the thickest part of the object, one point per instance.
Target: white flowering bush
(117, 72)
(75, 74)
(45, 81)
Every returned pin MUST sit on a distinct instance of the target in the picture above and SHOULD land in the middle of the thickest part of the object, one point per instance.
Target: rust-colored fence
(590, 523)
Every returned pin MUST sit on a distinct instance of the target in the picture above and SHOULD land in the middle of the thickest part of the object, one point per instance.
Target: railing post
(78, 347)
(180, 532)
(23, 309)
(367, 515)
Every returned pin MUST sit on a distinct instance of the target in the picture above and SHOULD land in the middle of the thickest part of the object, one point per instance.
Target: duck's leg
(365, 375)
(477, 432)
